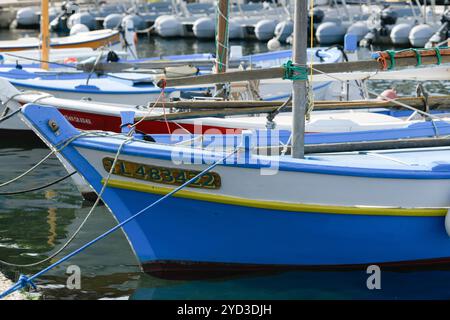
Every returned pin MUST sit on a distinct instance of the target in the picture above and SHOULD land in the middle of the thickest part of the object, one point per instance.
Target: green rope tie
(418, 56)
(391, 54)
(292, 72)
(438, 55)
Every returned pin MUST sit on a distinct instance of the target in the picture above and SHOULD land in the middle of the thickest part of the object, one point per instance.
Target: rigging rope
(38, 188)
(271, 115)
(97, 60)
(150, 109)
(309, 87)
(12, 97)
(9, 115)
(29, 170)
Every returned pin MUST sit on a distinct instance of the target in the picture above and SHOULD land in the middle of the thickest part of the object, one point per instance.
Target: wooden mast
(221, 42)
(299, 89)
(45, 39)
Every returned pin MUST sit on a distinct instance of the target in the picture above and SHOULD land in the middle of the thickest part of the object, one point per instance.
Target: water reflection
(302, 285)
(34, 225)
(51, 220)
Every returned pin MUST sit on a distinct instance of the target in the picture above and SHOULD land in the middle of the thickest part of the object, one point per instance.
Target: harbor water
(34, 225)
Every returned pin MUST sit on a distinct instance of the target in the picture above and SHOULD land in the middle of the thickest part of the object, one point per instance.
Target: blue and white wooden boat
(259, 212)
(130, 88)
(139, 89)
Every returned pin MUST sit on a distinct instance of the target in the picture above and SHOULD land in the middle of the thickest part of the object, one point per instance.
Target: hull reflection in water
(301, 285)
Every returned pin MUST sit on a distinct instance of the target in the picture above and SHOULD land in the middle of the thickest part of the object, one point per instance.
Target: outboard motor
(59, 24)
(443, 32)
(388, 18)
(317, 15)
(369, 38)
(112, 57)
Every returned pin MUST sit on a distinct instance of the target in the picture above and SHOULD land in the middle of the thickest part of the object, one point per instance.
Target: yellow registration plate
(165, 175)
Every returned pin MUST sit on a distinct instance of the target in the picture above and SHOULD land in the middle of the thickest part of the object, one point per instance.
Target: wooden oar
(229, 108)
(209, 113)
(416, 102)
